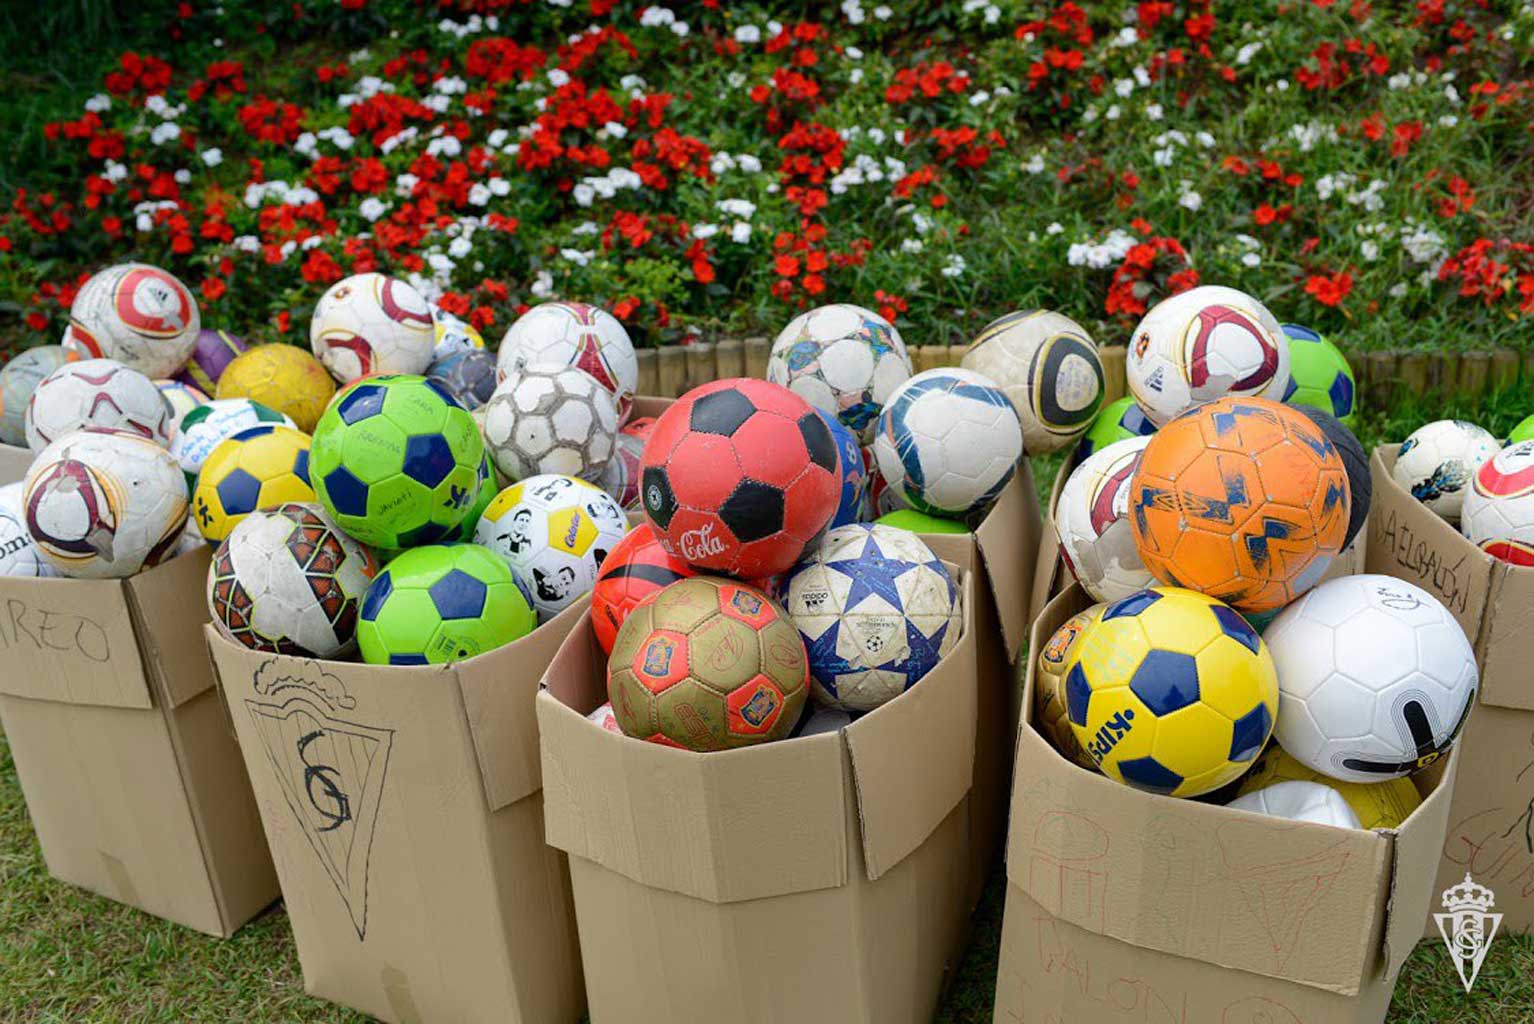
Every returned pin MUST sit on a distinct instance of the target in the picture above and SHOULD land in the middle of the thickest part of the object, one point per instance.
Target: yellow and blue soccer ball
(259, 467)
(1172, 692)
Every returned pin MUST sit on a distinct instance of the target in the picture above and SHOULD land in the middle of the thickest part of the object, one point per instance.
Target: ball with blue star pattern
(877, 610)
(854, 471)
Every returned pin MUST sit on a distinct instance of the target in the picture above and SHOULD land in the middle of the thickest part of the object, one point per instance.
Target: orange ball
(1243, 499)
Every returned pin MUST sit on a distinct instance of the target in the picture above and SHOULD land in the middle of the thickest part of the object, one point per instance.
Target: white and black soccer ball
(103, 503)
(1097, 539)
(139, 315)
(1298, 800)
(574, 334)
(19, 555)
(1436, 462)
(372, 323)
(1375, 678)
(551, 418)
(877, 610)
(842, 359)
(1498, 515)
(948, 441)
(1203, 344)
(95, 393)
(1048, 365)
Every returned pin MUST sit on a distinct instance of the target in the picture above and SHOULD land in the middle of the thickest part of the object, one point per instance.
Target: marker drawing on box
(1280, 894)
(49, 630)
(1067, 867)
(1259, 1010)
(1114, 995)
(1423, 562)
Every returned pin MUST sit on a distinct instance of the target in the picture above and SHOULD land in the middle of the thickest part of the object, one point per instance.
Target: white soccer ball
(816, 720)
(842, 359)
(948, 441)
(139, 315)
(1092, 519)
(1204, 344)
(201, 429)
(551, 418)
(95, 393)
(621, 477)
(574, 334)
(1375, 678)
(18, 551)
(371, 323)
(1498, 515)
(1048, 366)
(104, 503)
(1297, 800)
(604, 717)
(554, 531)
(877, 610)
(180, 399)
(452, 335)
(18, 379)
(1437, 460)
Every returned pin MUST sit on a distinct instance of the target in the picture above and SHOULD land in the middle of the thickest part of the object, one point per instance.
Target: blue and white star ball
(854, 472)
(877, 610)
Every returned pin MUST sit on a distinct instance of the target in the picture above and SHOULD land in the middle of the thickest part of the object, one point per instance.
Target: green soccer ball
(1119, 421)
(1319, 375)
(920, 522)
(1522, 432)
(441, 603)
(487, 492)
(397, 461)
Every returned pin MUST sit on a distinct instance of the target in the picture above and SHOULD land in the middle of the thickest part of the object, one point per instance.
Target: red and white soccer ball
(574, 334)
(95, 393)
(372, 323)
(139, 315)
(1092, 518)
(1498, 514)
(1203, 344)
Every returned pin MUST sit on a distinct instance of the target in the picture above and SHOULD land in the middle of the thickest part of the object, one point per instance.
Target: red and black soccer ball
(740, 477)
(637, 567)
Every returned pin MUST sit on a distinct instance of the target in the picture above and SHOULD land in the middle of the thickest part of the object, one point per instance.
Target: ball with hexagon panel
(18, 379)
(370, 324)
(95, 393)
(139, 315)
(1048, 366)
(547, 418)
(1319, 375)
(1384, 804)
(842, 359)
(260, 467)
(1049, 713)
(1296, 800)
(636, 568)
(1119, 420)
(213, 351)
(574, 334)
(281, 377)
(470, 373)
(202, 429)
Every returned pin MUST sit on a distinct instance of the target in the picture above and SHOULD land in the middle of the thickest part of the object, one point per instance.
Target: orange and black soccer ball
(1243, 499)
(637, 567)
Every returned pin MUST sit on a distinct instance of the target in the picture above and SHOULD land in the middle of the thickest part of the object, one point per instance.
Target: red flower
(213, 288)
(1329, 290)
(785, 265)
(625, 307)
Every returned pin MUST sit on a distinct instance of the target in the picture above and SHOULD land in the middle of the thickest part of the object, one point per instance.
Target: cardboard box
(813, 879)
(132, 779)
(405, 816)
(1124, 906)
(1491, 820)
(14, 463)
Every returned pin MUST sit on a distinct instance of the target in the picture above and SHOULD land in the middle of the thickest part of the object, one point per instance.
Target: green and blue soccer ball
(1319, 375)
(1119, 421)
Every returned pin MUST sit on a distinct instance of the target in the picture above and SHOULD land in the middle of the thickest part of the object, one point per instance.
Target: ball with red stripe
(740, 477)
(637, 567)
(1498, 515)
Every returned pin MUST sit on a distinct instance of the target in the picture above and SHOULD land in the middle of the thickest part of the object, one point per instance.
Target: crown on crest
(1468, 895)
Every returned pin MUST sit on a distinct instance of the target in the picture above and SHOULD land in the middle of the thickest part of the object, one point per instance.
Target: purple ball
(214, 351)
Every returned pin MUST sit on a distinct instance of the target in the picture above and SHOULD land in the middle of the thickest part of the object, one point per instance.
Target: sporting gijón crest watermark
(1468, 926)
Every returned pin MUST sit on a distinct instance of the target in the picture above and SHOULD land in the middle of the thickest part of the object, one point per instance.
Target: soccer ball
(104, 503)
(1202, 344)
(453, 336)
(281, 377)
(211, 354)
(1171, 691)
(1319, 375)
(1355, 460)
(18, 379)
(621, 477)
(1376, 676)
(920, 522)
(842, 359)
(95, 393)
(441, 603)
(1498, 516)
(203, 428)
(578, 335)
(1376, 804)
(370, 323)
(1312, 802)
(180, 399)
(288, 580)
(1436, 461)
(635, 569)
(1097, 541)
(139, 315)
(259, 467)
(398, 462)
(854, 472)
(487, 488)
(554, 532)
(551, 419)
(1119, 421)
(740, 478)
(1049, 686)
(604, 717)
(18, 551)
(1048, 366)
(1243, 499)
(470, 373)
(1524, 431)
(877, 611)
(948, 441)
(707, 664)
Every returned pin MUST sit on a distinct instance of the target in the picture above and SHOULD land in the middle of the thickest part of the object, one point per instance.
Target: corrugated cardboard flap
(169, 611)
(498, 690)
(70, 641)
(14, 463)
(724, 827)
(1417, 845)
(1009, 543)
(1049, 572)
(913, 759)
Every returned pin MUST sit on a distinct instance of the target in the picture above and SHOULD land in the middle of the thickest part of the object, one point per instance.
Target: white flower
(1055, 228)
(438, 103)
(371, 208)
(740, 232)
(1123, 87)
(440, 263)
(742, 208)
(115, 171)
(615, 129)
(405, 184)
(1153, 111)
(955, 265)
(444, 145)
(853, 12)
(543, 285)
(212, 156)
(883, 13)
(655, 17)
(747, 34)
(1035, 164)
(98, 103)
(1142, 78)
(749, 163)
(979, 98)
(852, 53)
(558, 78)
(580, 257)
(306, 145)
(1190, 200)
(398, 139)
(1448, 121)
(1251, 259)
(479, 195)
(497, 138)
(1204, 139)
(311, 242)
(856, 75)
(1422, 243)
(1400, 80)
(450, 85)
(705, 230)
(912, 245)
(680, 28)
(165, 132)
(459, 247)
(1370, 250)
(583, 194)
(1246, 53)
(1398, 290)
(182, 176)
(247, 243)
(1099, 255)
(1127, 36)
(499, 186)
(1163, 157)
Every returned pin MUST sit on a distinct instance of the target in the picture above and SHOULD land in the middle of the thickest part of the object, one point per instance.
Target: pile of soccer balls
(1469, 478)
(1204, 517)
